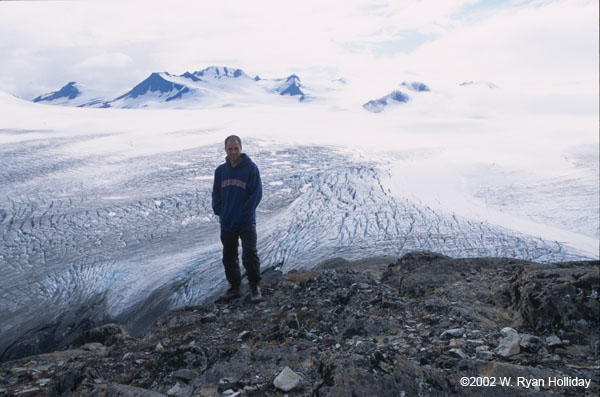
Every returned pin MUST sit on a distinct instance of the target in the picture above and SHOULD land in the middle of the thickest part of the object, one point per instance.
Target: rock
(95, 347)
(456, 342)
(107, 335)
(365, 347)
(231, 393)
(118, 390)
(287, 380)
(477, 342)
(209, 318)
(562, 352)
(175, 391)
(453, 333)
(553, 341)
(458, 353)
(419, 257)
(30, 392)
(185, 375)
(333, 263)
(226, 384)
(435, 305)
(530, 343)
(362, 330)
(548, 296)
(509, 345)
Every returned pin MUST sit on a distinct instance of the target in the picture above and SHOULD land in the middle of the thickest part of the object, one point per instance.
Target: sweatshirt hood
(245, 160)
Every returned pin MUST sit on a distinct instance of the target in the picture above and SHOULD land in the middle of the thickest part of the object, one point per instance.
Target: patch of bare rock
(424, 325)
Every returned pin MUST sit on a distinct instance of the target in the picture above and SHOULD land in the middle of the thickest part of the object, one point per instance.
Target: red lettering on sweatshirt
(233, 182)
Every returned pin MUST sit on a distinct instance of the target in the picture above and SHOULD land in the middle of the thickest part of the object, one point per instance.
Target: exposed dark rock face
(367, 328)
(378, 105)
(69, 91)
(555, 296)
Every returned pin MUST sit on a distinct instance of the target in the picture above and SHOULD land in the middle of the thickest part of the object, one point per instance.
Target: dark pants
(249, 256)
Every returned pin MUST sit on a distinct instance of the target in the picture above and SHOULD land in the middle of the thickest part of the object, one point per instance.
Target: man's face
(233, 150)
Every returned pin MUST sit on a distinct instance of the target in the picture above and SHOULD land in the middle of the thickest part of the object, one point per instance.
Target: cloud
(540, 48)
(115, 60)
(373, 43)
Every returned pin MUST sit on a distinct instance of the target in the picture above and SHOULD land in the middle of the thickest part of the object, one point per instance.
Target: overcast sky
(530, 45)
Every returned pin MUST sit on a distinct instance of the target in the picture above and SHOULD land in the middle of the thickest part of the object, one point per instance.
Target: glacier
(132, 245)
(105, 213)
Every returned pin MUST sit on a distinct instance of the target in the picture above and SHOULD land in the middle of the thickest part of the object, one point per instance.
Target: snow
(451, 191)
(215, 86)
(86, 96)
(109, 209)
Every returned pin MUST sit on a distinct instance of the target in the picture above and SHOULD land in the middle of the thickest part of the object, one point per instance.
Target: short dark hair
(234, 137)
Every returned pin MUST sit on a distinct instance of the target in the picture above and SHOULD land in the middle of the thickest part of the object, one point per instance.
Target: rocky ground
(424, 325)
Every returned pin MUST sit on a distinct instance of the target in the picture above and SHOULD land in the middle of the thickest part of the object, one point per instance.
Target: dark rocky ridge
(377, 327)
(69, 91)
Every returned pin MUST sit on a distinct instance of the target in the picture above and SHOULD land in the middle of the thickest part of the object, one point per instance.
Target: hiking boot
(232, 293)
(255, 295)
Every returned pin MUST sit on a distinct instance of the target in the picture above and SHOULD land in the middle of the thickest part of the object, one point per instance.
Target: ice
(105, 214)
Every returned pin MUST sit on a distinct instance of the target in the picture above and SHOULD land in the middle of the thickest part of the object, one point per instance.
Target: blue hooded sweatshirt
(236, 194)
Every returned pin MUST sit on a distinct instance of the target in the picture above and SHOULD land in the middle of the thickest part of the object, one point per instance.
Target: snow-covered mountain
(487, 84)
(378, 105)
(291, 86)
(213, 86)
(217, 72)
(157, 85)
(68, 92)
(75, 94)
(217, 86)
(395, 97)
(416, 86)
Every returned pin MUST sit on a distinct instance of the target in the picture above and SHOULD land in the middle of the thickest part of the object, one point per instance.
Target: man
(237, 190)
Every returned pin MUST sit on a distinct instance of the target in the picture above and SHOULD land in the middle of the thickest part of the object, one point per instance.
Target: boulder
(287, 380)
(509, 345)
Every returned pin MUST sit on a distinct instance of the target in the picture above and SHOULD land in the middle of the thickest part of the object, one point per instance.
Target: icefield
(105, 214)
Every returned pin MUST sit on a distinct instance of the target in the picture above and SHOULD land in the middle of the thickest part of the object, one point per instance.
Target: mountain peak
(156, 83)
(69, 91)
(398, 96)
(214, 84)
(416, 86)
(377, 105)
(488, 84)
(218, 72)
(191, 76)
(291, 87)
